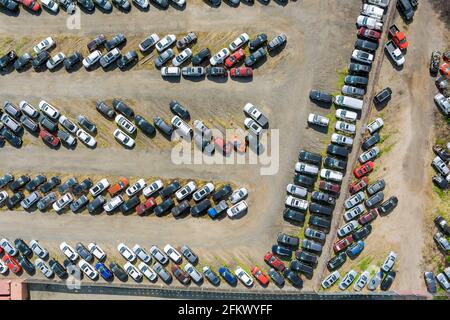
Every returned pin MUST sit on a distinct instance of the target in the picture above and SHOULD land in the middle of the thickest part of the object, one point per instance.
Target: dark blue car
(355, 249)
(228, 276)
(104, 271)
(281, 251)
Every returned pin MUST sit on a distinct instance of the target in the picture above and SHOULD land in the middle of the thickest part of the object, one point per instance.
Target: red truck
(398, 37)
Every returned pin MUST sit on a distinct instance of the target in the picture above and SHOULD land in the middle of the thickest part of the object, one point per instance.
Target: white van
(348, 102)
(372, 11)
(306, 168)
(170, 71)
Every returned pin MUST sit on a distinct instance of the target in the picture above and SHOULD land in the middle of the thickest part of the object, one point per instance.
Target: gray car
(276, 42)
(80, 203)
(255, 56)
(375, 200)
(66, 138)
(193, 71)
(110, 57)
(46, 201)
(29, 124)
(315, 234)
(375, 187)
(164, 57)
(353, 91)
(86, 123)
(162, 272)
(311, 246)
(29, 201)
(189, 254)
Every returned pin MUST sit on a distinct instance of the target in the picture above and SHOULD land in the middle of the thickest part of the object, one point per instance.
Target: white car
(389, 262)
(158, 255)
(142, 254)
(152, 188)
(243, 276)
(443, 103)
(123, 138)
(43, 267)
(203, 192)
(8, 247)
(346, 115)
(255, 114)
(372, 11)
(62, 202)
(99, 187)
(86, 138)
(38, 249)
(375, 281)
(136, 187)
(165, 42)
(443, 281)
(237, 209)
(68, 251)
(142, 3)
(87, 269)
(219, 57)
(380, 3)
(347, 228)
(113, 204)
(253, 126)
(181, 127)
(370, 154)
(239, 42)
(148, 42)
(296, 190)
(92, 59)
(68, 124)
(51, 5)
(49, 110)
(331, 175)
(44, 45)
(331, 279)
(369, 22)
(341, 139)
(348, 279)
(125, 124)
(148, 272)
(170, 71)
(28, 109)
(193, 273)
(126, 252)
(355, 199)
(182, 57)
(3, 197)
(375, 125)
(440, 166)
(318, 120)
(296, 203)
(354, 212)
(3, 267)
(186, 190)
(238, 195)
(97, 251)
(306, 168)
(361, 281)
(55, 61)
(345, 127)
(173, 254)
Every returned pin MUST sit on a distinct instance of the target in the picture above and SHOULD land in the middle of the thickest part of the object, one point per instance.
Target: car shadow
(25, 68)
(84, 10)
(75, 67)
(393, 64)
(217, 79)
(264, 2)
(208, 3)
(7, 70)
(57, 68)
(10, 13)
(231, 4)
(259, 63)
(194, 79)
(318, 128)
(157, 6)
(103, 11)
(171, 79)
(138, 7)
(276, 51)
(50, 12)
(242, 79)
(177, 7)
(249, 3)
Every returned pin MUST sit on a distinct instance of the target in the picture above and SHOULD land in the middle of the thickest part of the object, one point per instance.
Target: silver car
(353, 91)
(110, 57)
(162, 272)
(164, 57)
(29, 201)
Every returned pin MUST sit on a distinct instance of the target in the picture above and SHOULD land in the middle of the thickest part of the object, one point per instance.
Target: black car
(201, 207)
(26, 264)
(72, 60)
(19, 183)
(287, 240)
(96, 43)
(170, 189)
(84, 252)
(12, 139)
(215, 3)
(23, 247)
(212, 277)
(301, 267)
(216, 72)
(371, 141)
(67, 185)
(162, 3)
(127, 59)
(222, 193)
(442, 224)
(357, 68)
(307, 257)
(293, 278)
(58, 268)
(71, 267)
(335, 164)
(387, 206)
(181, 209)
(83, 187)
(66, 138)
(13, 201)
(86, 4)
(122, 108)
(282, 251)
(259, 41)
(118, 272)
(366, 45)
(144, 125)
(337, 261)
(376, 187)
(36, 182)
(29, 124)
(310, 157)
(164, 207)
(387, 281)
(315, 208)
(7, 59)
(276, 277)
(320, 222)
(338, 151)
(383, 96)
(129, 205)
(50, 184)
(115, 41)
(255, 57)
(165, 128)
(40, 59)
(22, 61)
(96, 205)
(405, 9)
(304, 181)
(105, 110)
(434, 62)
(6, 179)
(293, 216)
(440, 182)
(323, 197)
(374, 200)
(9, 4)
(321, 96)
(200, 56)
(362, 233)
(48, 124)
(179, 110)
(79, 204)
(430, 282)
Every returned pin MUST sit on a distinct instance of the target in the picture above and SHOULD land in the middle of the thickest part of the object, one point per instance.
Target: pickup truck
(398, 37)
(395, 53)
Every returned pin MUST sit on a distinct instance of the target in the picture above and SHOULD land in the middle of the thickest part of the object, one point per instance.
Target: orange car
(260, 276)
(118, 187)
(445, 69)
(364, 169)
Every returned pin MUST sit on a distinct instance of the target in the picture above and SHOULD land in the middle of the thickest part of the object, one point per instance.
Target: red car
(342, 244)
(260, 276)
(222, 146)
(369, 34)
(241, 72)
(330, 187)
(48, 138)
(235, 58)
(12, 264)
(368, 217)
(31, 4)
(363, 169)
(358, 185)
(146, 206)
(445, 69)
(274, 262)
(118, 187)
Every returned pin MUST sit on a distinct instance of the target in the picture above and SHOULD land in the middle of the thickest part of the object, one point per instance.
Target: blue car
(104, 271)
(355, 249)
(228, 276)
(212, 213)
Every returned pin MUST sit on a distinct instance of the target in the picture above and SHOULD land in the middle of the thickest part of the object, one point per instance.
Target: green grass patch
(365, 263)
(384, 137)
(387, 149)
(342, 73)
(440, 193)
(440, 141)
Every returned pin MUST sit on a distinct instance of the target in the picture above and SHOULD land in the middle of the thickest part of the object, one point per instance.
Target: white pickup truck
(395, 53)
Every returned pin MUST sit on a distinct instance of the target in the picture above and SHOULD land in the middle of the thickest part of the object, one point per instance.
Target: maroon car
(329, 187)
(358, 185)
(180, 274)
(369, 34)
(48, 138)
(143, 208)
(368, 217)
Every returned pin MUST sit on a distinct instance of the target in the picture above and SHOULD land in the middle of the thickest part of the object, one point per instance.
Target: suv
(115, 41)
(72, 60)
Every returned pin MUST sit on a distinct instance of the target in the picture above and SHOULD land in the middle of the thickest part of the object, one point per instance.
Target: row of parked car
(440, 163)
(443, 244)
(442, 99)
(77, 196)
